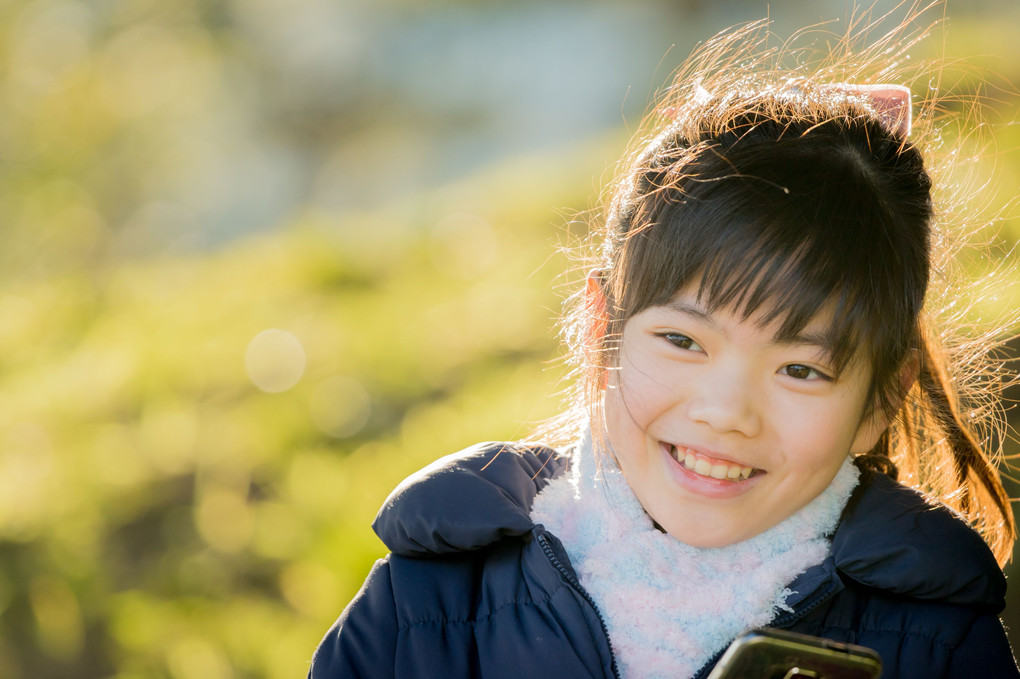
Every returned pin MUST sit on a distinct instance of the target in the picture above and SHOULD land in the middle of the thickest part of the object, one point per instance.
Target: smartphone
(778, 654)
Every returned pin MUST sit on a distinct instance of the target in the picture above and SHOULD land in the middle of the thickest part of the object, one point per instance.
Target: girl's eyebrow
(686, 308)
(804, 337)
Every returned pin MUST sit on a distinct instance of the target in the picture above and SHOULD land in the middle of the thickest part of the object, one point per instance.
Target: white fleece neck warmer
(670, 607)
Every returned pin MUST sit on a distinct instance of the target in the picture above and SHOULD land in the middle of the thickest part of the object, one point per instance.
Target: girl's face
(721, 430)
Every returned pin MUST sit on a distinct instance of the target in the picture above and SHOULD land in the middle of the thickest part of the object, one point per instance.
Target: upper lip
(708, 453)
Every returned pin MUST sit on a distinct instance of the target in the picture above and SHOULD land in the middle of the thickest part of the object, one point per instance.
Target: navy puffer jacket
(474, 588)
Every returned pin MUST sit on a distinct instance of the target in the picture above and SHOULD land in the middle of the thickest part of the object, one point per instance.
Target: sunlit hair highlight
(787, 200)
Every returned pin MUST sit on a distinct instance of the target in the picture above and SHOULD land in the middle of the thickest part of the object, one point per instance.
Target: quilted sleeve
(984, 652)
(361, 643)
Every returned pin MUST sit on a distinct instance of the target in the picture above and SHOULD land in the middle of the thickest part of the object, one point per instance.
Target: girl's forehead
(770, 312)
(768, 318)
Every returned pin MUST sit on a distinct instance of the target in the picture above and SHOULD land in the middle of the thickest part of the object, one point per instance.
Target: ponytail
(934, 444)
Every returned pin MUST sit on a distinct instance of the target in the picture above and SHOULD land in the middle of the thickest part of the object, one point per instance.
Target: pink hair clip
(891, 103)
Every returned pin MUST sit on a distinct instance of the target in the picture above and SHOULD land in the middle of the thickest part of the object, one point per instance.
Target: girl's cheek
(646, 395)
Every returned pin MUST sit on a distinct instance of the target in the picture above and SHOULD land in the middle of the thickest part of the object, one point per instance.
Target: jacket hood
(893, 539)
(467, 500)
(889, 538)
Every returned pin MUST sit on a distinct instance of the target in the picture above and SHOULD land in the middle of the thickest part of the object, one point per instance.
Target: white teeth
(703, 467)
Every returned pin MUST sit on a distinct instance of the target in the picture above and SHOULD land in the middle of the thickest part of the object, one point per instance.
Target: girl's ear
(909, 372)
(597, 324)
(872, 427)
(595, 303)
(877, 421)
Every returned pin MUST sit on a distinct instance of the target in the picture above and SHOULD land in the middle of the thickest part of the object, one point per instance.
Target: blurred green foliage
(161, 515)
(193, 445)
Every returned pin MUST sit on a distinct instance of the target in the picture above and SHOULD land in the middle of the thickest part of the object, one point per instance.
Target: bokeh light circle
(275, 360)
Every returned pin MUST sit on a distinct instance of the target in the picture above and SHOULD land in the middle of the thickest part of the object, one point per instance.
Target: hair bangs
(784, 232)
(771, 268)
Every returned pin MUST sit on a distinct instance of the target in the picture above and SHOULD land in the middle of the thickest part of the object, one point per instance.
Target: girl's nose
(727, 403)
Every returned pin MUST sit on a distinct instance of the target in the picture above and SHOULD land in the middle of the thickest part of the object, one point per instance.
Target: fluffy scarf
(670, 607)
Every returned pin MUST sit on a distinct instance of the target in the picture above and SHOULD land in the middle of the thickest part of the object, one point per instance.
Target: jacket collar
(467, 500)
(892, 538)
(889, 538)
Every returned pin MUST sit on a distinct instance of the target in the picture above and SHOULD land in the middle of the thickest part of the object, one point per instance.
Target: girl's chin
(705, 536)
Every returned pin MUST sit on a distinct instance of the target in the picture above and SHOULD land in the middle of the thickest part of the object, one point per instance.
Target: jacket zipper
(555, 561)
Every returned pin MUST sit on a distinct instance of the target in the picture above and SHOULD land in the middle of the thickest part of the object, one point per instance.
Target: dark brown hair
(783, 196)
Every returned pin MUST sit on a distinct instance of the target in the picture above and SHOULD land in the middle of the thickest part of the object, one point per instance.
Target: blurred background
(261, 259)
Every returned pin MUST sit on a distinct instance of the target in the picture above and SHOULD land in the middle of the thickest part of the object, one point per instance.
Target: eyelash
(809, 369)
(684, 342)
(678, 340)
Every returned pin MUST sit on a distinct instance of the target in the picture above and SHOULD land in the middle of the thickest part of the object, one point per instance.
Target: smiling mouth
(715, 469)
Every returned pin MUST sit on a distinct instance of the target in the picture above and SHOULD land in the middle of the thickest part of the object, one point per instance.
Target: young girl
(770, 429)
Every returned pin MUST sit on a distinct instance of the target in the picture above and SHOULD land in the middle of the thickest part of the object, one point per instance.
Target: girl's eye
(682, 341)
(800, 371)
